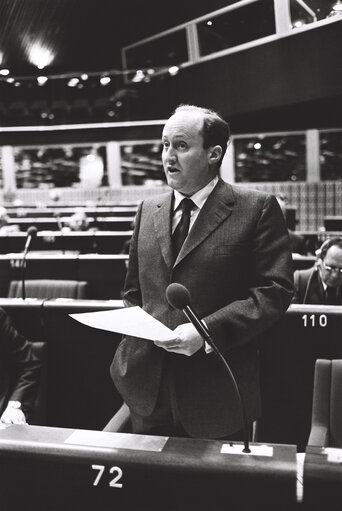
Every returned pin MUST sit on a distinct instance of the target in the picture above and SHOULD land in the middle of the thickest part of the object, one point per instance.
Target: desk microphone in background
(31, 233)
(59, 222)
(60, 228)
(179, 297)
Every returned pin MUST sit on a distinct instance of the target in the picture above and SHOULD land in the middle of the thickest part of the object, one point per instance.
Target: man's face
(330, 266)
(185, 161)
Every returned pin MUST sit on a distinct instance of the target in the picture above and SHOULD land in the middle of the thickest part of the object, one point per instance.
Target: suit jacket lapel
(162, 226)
(217, 208)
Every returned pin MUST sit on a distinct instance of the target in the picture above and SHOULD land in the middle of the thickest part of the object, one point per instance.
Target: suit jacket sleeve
(132, 293)
(23, 366)
(271, 286)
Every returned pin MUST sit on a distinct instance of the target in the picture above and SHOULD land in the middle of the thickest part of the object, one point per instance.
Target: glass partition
(235, 27)
(270, 158)
(141, 164)
(309, 11)
(60, 166)
(331, 155)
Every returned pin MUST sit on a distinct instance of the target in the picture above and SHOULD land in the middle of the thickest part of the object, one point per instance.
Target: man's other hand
(187, 340)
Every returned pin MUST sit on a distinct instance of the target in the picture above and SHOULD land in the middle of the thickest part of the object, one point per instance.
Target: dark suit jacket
(19, 368)
(237, 266)
(309, 287)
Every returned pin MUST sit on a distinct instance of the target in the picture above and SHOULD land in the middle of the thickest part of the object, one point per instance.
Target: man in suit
(322, 284)
(19, 374)
(236, 263)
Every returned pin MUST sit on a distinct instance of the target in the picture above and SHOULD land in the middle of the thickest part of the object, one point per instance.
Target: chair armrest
(319, 436)
(120, 422)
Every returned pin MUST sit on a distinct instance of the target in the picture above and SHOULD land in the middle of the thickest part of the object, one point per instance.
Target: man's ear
(214, 154)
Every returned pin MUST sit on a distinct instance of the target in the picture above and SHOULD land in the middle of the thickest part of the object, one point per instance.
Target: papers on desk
(128, 321)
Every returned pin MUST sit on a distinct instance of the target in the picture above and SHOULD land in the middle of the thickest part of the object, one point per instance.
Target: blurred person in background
(19, 374)
(78, 221)
(5, 226)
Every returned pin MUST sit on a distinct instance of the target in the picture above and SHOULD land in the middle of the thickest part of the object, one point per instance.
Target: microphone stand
(204, 333)
(23, 268)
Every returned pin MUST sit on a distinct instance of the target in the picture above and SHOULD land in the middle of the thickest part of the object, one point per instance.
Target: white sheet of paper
(129, 321)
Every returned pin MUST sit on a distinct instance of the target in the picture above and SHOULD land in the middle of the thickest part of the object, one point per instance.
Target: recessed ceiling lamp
(4, 72)
(40, 56)
(139, 76)
(84, 76)
(42, 80)
(73, 82)
(173, 70)
(105, 80)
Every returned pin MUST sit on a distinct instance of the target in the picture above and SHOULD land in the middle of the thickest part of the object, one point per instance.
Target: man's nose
(170, 154)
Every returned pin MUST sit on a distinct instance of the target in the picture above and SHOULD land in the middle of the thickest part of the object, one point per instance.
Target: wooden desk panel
(52, 472)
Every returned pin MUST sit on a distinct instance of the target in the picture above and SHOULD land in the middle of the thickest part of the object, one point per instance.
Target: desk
(22, 212)
(108, 223)
(80, 392)
(333, 223)
(55, 469)
(322, 480)
(84, 242)
(288, 352)
(104, 273)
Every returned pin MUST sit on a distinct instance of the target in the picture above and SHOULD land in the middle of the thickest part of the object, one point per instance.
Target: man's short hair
(215, 130)
(322, 251)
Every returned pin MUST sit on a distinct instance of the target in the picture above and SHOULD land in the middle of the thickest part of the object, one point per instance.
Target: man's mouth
(172, 170)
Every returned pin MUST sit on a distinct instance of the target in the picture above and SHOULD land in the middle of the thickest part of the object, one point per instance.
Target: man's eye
(165, 144)
(182, 145)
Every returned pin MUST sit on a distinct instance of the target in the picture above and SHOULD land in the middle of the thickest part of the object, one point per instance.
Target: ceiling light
(209, 23)
(257, 145)
(105, 80)
(10, 80)
(173, 70)
(17, 84)
(42, 80)
(73, 82)
(40, 56)
(4, 72)
(298, 23)
(139, 76)
(84, 76)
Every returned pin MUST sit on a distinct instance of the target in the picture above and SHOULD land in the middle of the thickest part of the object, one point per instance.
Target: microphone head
(32, 231)
(178, 296)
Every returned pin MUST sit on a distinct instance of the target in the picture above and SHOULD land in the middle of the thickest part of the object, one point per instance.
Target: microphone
(31, 233)
(179, 298)
(59, 222)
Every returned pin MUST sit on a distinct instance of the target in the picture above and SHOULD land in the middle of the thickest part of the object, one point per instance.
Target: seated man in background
(19, 374)
(322, 283)
(78, 221)
(5, 226)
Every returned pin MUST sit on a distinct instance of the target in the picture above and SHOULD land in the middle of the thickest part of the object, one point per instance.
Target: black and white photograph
(170, 255)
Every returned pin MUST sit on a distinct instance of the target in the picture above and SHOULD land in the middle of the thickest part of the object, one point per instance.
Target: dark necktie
(182, 229)
(331, 294)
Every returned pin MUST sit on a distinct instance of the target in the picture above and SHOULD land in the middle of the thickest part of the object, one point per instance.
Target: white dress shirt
(199, 199)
